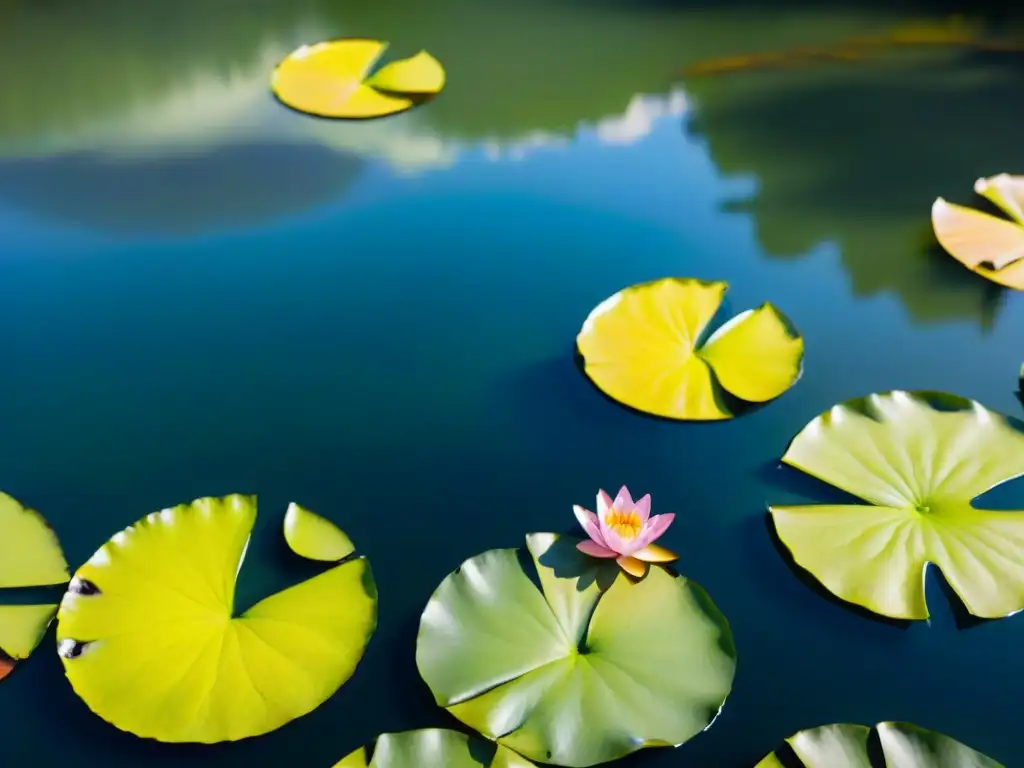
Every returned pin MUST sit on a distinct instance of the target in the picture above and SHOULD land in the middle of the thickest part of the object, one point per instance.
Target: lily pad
(333, 79)
(900, 745)
(149, 640)
(917, 459)
(30, 556)
(432, 748)
(644, 347)
(314, 537)
(986, 244)
(589, 668)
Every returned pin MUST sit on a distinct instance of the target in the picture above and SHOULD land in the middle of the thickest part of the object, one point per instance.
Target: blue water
(392, 345)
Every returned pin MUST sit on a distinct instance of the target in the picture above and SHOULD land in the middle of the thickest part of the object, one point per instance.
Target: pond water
(202, 292)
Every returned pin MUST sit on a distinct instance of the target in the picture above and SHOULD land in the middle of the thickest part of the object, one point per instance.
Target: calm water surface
(202, 292)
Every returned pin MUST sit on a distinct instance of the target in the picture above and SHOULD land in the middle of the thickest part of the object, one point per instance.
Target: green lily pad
(589, 668)
(644, 347)
(432, 748)
(314, 537)
(902, 746)
(149, 641)
(30, 556)
(917, 459)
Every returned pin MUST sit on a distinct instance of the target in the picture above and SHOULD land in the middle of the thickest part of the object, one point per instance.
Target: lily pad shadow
(567, 562)
(180, 194)
(800, 485)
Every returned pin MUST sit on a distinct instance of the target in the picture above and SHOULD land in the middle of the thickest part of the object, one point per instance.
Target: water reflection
(178, 194)
(130, 120)
(165, 125)
(855, 154)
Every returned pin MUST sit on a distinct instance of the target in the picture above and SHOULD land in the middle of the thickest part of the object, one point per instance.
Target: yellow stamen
(626, 524)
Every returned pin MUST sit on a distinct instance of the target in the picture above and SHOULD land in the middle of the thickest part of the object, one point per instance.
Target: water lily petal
(643, 508)
(588, 520)
(612, 540)
(623, 501)
(653, 553)
(656, 526)
(594, 549)
(632, 566)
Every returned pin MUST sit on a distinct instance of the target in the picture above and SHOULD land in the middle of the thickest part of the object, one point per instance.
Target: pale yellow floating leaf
(1005, 191)
(975, 238)
(330, 80)
(754, 355)
(22, 627)
(314, 537)
(1011, 276)
(642, 347)
(917, 460)
(151, 642)
(30, 556)
(420, 74)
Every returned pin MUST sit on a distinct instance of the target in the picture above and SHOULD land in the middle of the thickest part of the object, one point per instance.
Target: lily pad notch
(591, 667)
(886, 745)
(916, 460)
(149, 640)
(336, 79)
(432, 748)
(30, 556)
(990, 246)
(648, 347)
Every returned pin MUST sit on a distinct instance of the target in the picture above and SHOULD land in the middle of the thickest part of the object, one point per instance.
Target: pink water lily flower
(626, 531)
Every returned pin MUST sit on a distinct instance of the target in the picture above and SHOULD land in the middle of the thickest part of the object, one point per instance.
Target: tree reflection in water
(854, 154)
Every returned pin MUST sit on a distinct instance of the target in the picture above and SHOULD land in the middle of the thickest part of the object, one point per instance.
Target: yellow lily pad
(148, 639)
(432, 748)
(30, 556)
(917, 460)
(988, 245)
(314, 537)
(643, 347)
(333, 79)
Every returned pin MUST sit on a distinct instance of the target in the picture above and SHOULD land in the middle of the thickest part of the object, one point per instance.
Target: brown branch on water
(952, 34)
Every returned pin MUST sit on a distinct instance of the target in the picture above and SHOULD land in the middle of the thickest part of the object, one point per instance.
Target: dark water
(201, 293)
